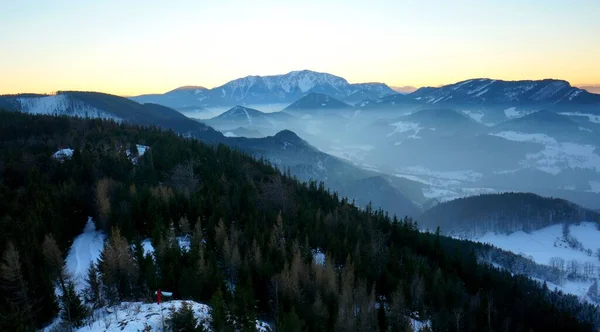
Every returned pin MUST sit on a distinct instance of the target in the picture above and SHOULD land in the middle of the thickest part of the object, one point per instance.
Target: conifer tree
(15, 291)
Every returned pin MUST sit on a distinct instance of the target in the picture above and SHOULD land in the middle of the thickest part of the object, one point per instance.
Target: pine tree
(219, 313)
(93, 290)
(74, 311)
(184, 320)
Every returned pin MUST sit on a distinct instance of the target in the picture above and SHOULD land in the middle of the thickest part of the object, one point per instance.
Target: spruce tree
(74, 311)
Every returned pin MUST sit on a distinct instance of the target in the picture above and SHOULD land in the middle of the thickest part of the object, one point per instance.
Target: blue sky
(131, 47)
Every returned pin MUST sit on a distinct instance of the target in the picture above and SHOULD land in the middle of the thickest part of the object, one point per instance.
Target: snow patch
(595, 186)
(477, 116)
(512, 113)
(591, 117)
(139, 316)
(318, 257)
(63, 154)
(86, 249)
(401, 127)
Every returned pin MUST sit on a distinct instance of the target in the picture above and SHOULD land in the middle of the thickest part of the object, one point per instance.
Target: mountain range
(276, 89)
(474, 136)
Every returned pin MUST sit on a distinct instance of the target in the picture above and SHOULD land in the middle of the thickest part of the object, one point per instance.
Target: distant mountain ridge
(492, 101)
(274, 89)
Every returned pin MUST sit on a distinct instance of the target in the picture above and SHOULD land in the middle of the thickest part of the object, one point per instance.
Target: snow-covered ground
(138, 316)
(555, 155)
(86, 248)
(547, 243)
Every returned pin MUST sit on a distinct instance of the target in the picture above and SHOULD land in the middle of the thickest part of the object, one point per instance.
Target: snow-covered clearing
(86, 248)
(555, 156)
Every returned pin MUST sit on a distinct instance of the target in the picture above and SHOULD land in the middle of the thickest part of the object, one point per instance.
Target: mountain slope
(287, 150)
(105, 106)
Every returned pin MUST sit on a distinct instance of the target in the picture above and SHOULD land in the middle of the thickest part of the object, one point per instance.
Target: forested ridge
(253, 234)
(503, 213)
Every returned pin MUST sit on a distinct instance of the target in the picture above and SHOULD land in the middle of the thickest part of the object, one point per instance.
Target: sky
(135, 47)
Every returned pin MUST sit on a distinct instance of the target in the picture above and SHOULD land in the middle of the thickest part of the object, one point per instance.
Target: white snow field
(86, 248)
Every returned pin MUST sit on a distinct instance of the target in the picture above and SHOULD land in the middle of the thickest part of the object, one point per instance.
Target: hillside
(503, 213)
(260, 243)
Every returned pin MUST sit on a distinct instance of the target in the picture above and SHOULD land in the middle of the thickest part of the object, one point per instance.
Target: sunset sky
(134, 47)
